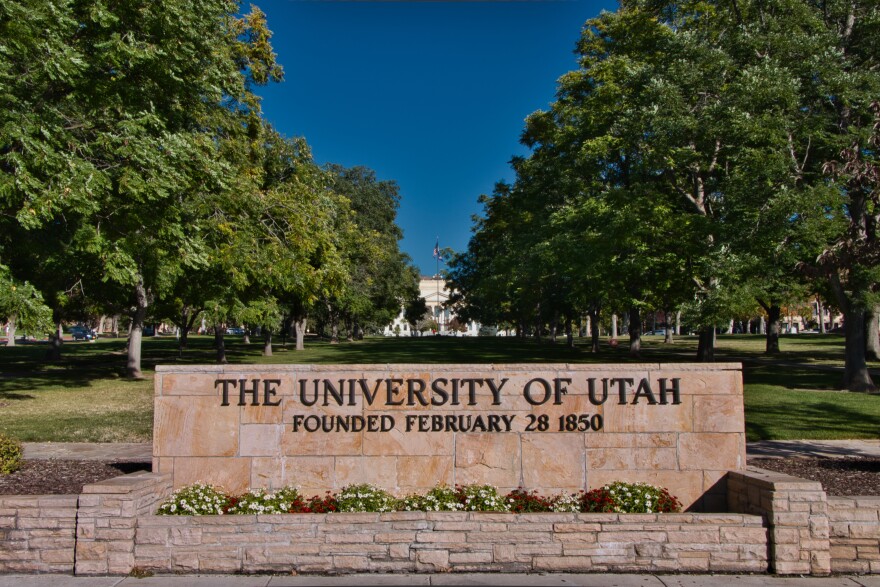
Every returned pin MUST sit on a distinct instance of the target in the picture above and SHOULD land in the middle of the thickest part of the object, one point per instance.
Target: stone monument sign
(549, 427)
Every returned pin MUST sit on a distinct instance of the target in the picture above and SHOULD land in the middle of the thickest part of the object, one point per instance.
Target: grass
(85, 396)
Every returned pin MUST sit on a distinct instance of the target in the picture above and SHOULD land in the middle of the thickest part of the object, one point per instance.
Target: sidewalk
(499, 579)
(143, 452)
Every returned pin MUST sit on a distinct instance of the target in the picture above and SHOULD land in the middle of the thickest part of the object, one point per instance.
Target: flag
(437, 249)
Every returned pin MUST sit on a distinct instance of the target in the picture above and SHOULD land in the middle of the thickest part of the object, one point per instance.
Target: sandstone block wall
(685, 440)
(113, 530)
(108, 519)
(796, 515)
(37, 533)
(454, 541)
(855, 534)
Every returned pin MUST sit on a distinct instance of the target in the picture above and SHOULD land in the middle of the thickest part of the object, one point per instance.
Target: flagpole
(437, 277)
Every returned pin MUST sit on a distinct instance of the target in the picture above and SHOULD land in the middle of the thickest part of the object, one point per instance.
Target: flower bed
(618, 497)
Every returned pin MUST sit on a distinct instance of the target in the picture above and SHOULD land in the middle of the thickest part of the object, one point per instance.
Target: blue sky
(432, 95)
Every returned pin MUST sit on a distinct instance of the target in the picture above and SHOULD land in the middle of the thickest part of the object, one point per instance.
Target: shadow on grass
(791, 377)
(24, 367)
(789, 418)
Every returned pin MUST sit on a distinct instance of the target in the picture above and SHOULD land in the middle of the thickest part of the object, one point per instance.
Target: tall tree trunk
(299, 325)
(267, 342)
(762, 327)
(569, 335)
(220, 343)
(53, 353)
(183, 331)
(538, 323)
(594, 331)
(855, 370)
(357, 331)
(678, 323)
(635, 333)
(613, 326)
(115, 326)
(872, 336)
(10, 330)
(774, 327)
(821, 310)
(246, 339)
(706, 346)
(554, 327)
(667, 338)
(137, 331)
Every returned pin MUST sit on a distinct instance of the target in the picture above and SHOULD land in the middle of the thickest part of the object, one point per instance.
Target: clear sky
(432, 95)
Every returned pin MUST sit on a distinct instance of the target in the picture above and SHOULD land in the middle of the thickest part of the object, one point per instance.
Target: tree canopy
(704, 157)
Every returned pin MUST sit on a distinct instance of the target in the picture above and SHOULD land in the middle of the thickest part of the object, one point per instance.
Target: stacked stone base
(855, 534)
(37, 533)
(451, 541)
(784, 525)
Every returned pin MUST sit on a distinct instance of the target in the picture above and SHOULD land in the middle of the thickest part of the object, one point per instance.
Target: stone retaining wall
(855, 534)
(796, 514)
(37, 533)
(451, 541)
(782, 525)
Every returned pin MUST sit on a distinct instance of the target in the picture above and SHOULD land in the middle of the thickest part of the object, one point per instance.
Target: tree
(118, 129)
(21, 306)
(381, 278)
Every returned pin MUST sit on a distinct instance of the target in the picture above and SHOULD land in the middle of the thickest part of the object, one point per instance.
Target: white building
(433, 290)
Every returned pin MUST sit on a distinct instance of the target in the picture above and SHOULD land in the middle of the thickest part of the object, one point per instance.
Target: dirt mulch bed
(60, 477)
(839, 476)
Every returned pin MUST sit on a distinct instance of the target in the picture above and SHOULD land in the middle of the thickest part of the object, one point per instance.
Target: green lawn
(85, 397)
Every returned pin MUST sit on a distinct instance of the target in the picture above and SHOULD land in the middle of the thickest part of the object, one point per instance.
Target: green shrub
(481, 498)
(565, 503)
(442, 498)
(260, 501)
(197, 499)
(629, 498)
(10, 455)
(365, 498)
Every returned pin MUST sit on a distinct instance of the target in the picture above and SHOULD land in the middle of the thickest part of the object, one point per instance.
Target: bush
(198, 499)
(520, 501)
(565, 503)
(315, 505)
(441, 498)
(365, 498)
(10, 455)
(629, 498)
(481, 498)
(259, 501)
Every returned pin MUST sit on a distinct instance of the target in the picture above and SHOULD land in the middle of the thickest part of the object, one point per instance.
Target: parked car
(238, 331)
(82, 333)
(149, 331)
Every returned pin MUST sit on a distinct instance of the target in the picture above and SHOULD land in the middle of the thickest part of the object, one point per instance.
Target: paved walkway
(143, 452)
(585, 580)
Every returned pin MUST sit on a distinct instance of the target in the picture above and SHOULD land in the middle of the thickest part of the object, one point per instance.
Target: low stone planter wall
(783, 524)
(796, 514)
(37, 533)
(855, 534)
(451, 541)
